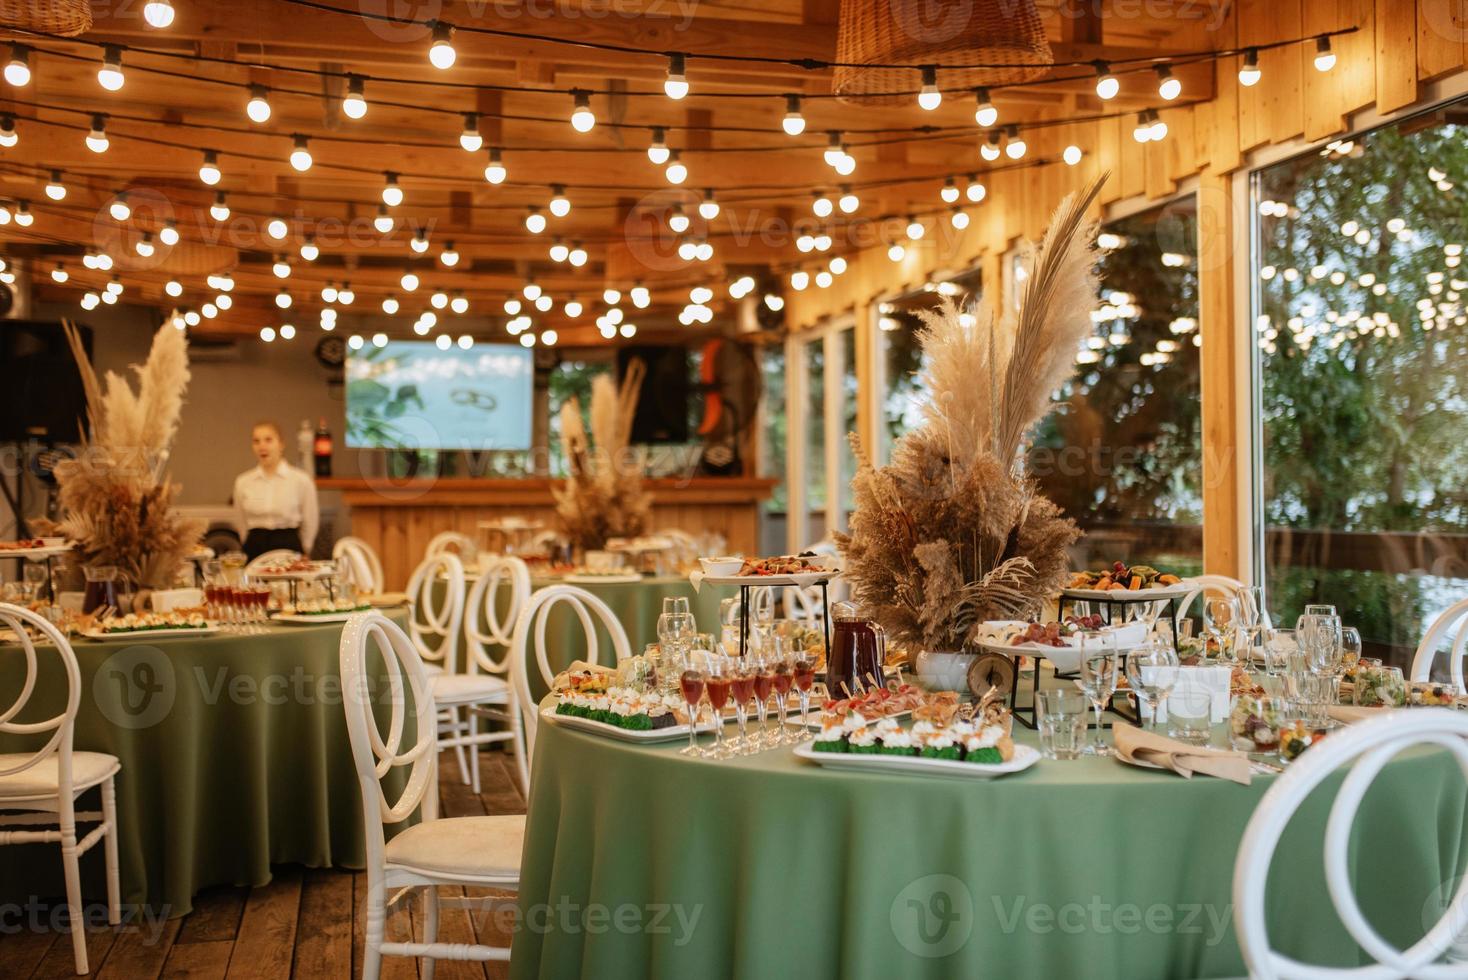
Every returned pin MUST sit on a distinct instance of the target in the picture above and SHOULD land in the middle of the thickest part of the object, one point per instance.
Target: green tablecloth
(639, 862)
(234, 757)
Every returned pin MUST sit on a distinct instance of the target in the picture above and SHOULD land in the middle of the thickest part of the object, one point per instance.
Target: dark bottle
(322, 449)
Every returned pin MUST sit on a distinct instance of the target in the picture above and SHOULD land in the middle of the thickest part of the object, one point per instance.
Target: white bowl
(721, 566)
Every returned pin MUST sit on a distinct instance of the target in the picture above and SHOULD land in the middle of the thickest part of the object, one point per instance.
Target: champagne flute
(803, 671)
(784, 676)
(1150, 670)
(718, 671)
(691, 682)
(1098, 679)
(741, 689)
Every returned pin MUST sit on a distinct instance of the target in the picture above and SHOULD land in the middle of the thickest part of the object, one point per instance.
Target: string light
(390, 305)
(572, 308)
(1014, 146)
(560, 205)
(158, 13)
(678, 221)
(949, 193)
(267, 334)
(328, 292)
(301, 155)
(1168, 87)
(110, 76)
(465, 341)
(582, 118)
(258, 108)
(559, 250)
(512, 306)
(309, 251)
(409, 281)
(277, 229)
(209, 170)
(838, 265)
(543, 302)
(449, 256)
(914, 228)
(531, 290)
(628, 330)
(173, 288)
(1249, 73)
(379, 340)
(611, 297)
(657, 150)
(392, 191)
(439, 299)
(641, 297)
(419, 242)
(354, 103)
(470, 139)
(534, 220)
(578, 256)
(281, 268)
(1106, 83)
(441, 53)
(55, 189)
(59, 274)
(794, 122)
(929, 97)
(345, 296)
(989, 149)
(708, 208)
(283, 299)
(18, 68)
(459, 304)
(833, 152)
(799, 279)
(287, 331)
(8, 136)
(846, 165)
(849, 201)
(23, 216)
(1072, 155)
(984, 112)
(119, 208)
(676, 83)
(495, 171)
(1324, 56)
(1159, 128)
(383, 222)
(820, 205)
(676, 173)
(97, 140)
(958, 218)
(144, 246)
(527, 340)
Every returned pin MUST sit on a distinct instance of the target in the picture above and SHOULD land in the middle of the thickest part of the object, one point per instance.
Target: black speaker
(41, 393)
(662, 405)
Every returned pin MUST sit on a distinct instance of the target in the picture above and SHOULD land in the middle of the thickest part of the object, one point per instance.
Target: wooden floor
(307, 923)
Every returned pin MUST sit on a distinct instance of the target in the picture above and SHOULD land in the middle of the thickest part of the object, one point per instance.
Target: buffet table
(234, 757)
(639, 862)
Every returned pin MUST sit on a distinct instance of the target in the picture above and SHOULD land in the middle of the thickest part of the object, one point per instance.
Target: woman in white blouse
(275, 501)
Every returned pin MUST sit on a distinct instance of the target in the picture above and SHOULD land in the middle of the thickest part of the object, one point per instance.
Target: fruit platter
(1121, 581)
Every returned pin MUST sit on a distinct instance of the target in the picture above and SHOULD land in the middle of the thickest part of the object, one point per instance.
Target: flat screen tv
(413, 395)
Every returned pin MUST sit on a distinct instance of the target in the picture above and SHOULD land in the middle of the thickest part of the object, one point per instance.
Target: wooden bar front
(399, 517)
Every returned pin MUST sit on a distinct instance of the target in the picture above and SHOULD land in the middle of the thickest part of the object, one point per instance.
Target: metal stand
(745, 608)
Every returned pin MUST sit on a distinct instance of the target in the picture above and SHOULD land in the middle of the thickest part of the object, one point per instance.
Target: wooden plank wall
(1400, 45)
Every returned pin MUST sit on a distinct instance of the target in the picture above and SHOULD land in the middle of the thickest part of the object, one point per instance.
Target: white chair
(449, 851)
(280, 556)
(39, 789)
(1440, 632)
(366, 566)
(1369, 745)
(533, 620)
(452, 541)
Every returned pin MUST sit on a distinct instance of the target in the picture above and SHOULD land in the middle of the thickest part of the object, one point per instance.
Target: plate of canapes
(177, 623)
(312, 612)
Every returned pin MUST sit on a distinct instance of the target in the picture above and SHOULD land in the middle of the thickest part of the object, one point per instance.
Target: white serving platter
(594, 727)
(1067, 659)
(801, 580)
(314, 619)
(150, 634)
(49, 551)
(910, 765)
(592, 578)
(319, 572)
(1129, 595)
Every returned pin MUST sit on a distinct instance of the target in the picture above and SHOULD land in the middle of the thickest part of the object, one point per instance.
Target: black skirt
(261, 540)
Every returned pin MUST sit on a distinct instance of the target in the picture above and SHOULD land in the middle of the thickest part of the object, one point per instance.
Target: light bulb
(578, 256)
(534, 221)
(219, 210)
(678, 221)
(572, 308)
(390, 305)
(441, 53)
(354, 104)
(613, 316)
(708, 208)
(559, 250)
(582, 118)
(104, 261)
(560, 205)
(90, 301)
(657, 150)
(470, 139)
(821, 205)
(281, 268)
(833, 152)
(676, 173)
(914, 228)
(512, 306)
(1168, 87)
(439, 299)
(443, 341)
(704, 252)
(59, 274)
(959, 218)
(1072, 155)
(700, 294)
(222, 301)
(1324, 56)
(173, 288)
(18, 68)
(277, 229)
(383, 222)
(846, 166)
(1106, 84)
(628, 330)
(984, 112)
(794, 122)
(283, 300)
(676, 82)
(824, 279)
(929, 97)
(799, 279)
(119, 208)
(409, 281)
(258, 108)
(1159, 128)
(379, 340)
(309, 251)
(975, 191)
(527, 340)
(110, 76)
(97, 139)
(301, 155)
(495, 171)
(641, 297)
(392, 192)
(611, 297)
(209, 169)
(837, 266)
(549, 338)
(465, 341)
(354, 342)
(1015, 146)
(459, 304)
(209, 310)
(419, 243)
(989, 149)
(144, 246)
(8, 136)
(267, 334)
(191, 318)
(1142, 131)
(158, 13)
(449, 256)
(55, 189)
(328, 293)
(1249, 73)
(849, 201)
(287, 331)
(531, 289)
(543, 303)
(949, 193)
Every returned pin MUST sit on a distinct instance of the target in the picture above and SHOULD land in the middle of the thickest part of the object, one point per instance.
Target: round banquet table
(640, 862)
(234, 757)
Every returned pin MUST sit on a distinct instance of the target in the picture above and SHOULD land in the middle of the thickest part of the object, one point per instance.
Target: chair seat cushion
(43, 779)
(469, 688)
(479, 847)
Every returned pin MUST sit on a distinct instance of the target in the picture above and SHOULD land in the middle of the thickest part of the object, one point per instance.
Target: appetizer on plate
(144, 622)
(624, 708)
(983, 739)
(1430, 693)
(1120, 577)
(783, 565)
(323, 607)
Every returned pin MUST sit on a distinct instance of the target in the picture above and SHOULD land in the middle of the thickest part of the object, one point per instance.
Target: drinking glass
(1350, 648)
(803, 671)
(1320, 609)
(741, 689)
(763, 668)
(1098, 679)
(718, 686)
(691, 682)
(1062, 723)
(783, 666)
(1250, 600)
(1190, 713)
(1220, 618)
(35, 575)
(1151, 672)
(1319, 637)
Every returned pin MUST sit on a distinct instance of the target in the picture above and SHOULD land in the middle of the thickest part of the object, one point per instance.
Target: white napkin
(1215, 680)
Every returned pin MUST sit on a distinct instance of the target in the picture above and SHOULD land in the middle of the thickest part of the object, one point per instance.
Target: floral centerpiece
(603, 497)
(116, 501)
(951, 533)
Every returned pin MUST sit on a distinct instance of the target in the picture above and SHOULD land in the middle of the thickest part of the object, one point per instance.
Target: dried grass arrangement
(951, 533)
(115, 498)
(603, 497)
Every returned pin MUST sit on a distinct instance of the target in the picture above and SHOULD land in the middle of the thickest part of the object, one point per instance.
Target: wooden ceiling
(162, 119)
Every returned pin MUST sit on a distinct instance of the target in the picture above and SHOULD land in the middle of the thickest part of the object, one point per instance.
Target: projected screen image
(411, 395)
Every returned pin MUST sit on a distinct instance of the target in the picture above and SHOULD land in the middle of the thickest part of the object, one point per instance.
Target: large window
(772, 436)
(1362, 394)
(813, 449)
(1122, 452)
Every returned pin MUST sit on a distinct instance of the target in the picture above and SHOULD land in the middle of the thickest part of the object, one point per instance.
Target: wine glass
(741, 688)
(691, 682)
(784, 668)
(1151, 673)
(35, 575)
(718, 671)
(1350, 648)
(1098, 678)
(1220, 616)
(763, 668)
(803, 672)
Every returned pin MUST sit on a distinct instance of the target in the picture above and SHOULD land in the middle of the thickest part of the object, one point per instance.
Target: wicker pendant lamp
(1006, 34)
(65, 17)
